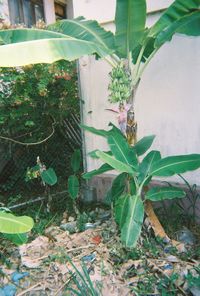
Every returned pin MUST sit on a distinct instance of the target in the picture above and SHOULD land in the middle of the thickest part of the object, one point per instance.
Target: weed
(83, 284)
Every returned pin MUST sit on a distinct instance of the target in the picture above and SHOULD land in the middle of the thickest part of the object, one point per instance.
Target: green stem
(111, 62)
(138, 62)
(140, 72)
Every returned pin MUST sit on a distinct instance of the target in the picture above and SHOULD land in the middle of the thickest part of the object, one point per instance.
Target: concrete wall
(4, 11)
(168, 97)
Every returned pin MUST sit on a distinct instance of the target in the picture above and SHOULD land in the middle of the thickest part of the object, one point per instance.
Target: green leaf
(172, 165)
(121, 209)
(100, 132)
(93, 153)
(22, 35)
(131, 229)
(49, 177)
(88, 30)
(146, 165)
(17, 239)
(13, 224)
(121, 150)
(178, 26)
(143, 145)
(190, 28)
(118, 186)
(73, 186)
(95, 131)
(148, 50)
(175, 11)
(130, 22)
(46, 50)
(76, 160)
(114, 163)
(104, 168)
(162, 193)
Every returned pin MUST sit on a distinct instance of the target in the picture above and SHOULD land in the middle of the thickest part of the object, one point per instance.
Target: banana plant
(128, 51)
(15, 228)
(135, 172)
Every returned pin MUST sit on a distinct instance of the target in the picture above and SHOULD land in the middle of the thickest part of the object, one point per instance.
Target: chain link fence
(55, 153)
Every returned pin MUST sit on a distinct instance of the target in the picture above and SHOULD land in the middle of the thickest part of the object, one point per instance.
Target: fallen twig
(68, 251)
(29, 289)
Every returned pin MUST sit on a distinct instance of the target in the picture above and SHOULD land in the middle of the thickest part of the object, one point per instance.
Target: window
(60, 11)
(26, 12)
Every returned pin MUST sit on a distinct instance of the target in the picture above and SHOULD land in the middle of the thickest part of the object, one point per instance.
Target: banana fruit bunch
(120, 86)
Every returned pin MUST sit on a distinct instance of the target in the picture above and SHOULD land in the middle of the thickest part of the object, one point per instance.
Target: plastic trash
(17, 276)
(89, 258)
(168, 266)
(186, 236)
(8, 290)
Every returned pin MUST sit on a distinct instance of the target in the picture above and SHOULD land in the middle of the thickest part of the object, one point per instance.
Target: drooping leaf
(146, 165)
(130, 22)
(73, 186)
(76, 160)
(95, 131)
(49, 177)
(104, 168)
(121, 209)
(162, 193)
(88, 30)
(131, 229)
(190, 29)
(17, 239)
(22, 35)
(45, 49)
(143, 145)
(118, 186)
(12, 224)
(171, 165)
(121, 150)
(177, 10)
(114, 163)
(178, 26)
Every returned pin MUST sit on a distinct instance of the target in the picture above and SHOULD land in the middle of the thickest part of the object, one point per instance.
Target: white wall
(4, 10)
(168, 97)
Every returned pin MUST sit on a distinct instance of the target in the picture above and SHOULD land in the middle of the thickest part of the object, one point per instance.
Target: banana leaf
(131, 228)
(162, 193)
(179, 26)
(121, 208)
(121, 150)
(88, 30)
(13, 225)
(146, 165)
(130, 22)
(33, 47)
(144, 144)
(172, 165)
(114, 163)
(104, 168)
(175, 11)
(73, 186)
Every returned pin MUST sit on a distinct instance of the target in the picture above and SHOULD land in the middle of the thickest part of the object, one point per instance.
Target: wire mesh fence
(55, 153)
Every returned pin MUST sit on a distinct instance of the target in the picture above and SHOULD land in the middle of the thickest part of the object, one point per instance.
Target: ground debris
(44, 267)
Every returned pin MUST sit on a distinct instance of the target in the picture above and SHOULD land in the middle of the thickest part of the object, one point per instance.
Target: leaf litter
(46, 265)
